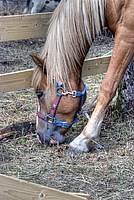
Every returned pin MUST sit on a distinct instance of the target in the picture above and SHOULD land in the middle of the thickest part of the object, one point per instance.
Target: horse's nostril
(40, 137)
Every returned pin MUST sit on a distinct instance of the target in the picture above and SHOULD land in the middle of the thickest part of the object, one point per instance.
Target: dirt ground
(107, 174)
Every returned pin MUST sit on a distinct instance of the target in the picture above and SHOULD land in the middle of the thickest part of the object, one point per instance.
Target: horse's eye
(40, 94)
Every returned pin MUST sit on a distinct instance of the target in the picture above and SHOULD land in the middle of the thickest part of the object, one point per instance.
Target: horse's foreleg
(37, 7)
(123, 52)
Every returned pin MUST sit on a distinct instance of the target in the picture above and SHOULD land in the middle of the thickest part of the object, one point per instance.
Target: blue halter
(50, 118)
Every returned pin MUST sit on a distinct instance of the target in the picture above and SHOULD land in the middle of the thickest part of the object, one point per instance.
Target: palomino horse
(57, 76)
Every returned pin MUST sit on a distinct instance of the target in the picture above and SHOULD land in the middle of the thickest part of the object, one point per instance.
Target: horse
(57, 76)
(38, 5)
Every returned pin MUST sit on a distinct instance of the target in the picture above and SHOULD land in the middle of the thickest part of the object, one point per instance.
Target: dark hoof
(98, 148)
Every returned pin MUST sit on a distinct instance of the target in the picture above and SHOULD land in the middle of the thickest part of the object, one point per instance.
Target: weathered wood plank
(81, 195)
(16, 80)
(16, 27)
(14, 189)
(22, 80)
(96, 65)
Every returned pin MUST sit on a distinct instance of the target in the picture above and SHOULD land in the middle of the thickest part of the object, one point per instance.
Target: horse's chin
(57, 138)
(50, 138)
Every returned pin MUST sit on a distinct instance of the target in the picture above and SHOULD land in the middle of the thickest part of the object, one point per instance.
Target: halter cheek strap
(50, 118)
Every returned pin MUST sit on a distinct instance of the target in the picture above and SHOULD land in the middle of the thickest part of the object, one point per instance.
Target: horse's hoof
(79, 145)
(78, 149)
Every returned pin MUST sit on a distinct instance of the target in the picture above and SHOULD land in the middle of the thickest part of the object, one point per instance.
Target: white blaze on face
(37, 122)
(37, 118)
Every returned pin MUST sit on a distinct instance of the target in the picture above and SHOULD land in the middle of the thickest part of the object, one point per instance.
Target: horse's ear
(37, 60)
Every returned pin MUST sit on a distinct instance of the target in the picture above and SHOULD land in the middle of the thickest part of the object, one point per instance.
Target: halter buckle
(50, 119)
(74, 93)
(64, 93)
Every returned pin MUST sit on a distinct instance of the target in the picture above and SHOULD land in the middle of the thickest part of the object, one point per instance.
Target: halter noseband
(50, 118)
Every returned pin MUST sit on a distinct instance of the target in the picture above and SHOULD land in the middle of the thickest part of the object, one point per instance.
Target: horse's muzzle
(50, 138)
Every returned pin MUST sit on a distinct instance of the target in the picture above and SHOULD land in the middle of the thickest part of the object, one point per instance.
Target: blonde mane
(74, 25)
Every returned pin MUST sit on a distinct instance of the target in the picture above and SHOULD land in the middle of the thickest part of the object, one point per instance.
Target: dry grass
(104, 175)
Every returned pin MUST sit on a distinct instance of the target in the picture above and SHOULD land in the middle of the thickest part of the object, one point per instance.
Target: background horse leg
(38, 5)
(123, 52)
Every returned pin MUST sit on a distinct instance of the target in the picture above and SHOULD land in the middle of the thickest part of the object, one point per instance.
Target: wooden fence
(17, 27)
(17, 189)
(34, 26)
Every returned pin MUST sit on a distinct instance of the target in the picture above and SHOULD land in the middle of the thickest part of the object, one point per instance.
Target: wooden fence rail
(17, 27)
(14, 189)
(22, 79)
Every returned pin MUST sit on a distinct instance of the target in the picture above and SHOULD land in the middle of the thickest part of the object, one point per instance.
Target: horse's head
(58, 105)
